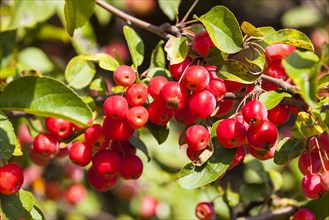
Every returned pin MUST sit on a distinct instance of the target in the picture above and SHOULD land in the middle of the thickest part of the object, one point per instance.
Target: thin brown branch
(287, 211)
(133, 20)
(283, 84)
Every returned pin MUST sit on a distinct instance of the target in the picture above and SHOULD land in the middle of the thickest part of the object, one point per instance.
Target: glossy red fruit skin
(11, 178)
(192, 154)
(311, 186)
(276, 70)
(201, 104)
(212, 70)
(205, 211)
(254, 112)
(75, 193)
(148, 207)
(197, 137)
(231, 133)
(124, 76)
(225, 106)
(262, 136)
(131, 167)
(123, 148)
(201, 43)
(262, 154)
(184, 117)
(80, 154)
(304, 214)
(196, 78)
(136, 94)
(100, 183)
(117, 130)
(178, 69)
(217, 88)
(174, 96)
(95, 138)
(137, 117)
(304, 163)
(158, 114)
(59, 128)
(45, 145)
(238, 157)
(232, 86)
(106, 163)
(115, 107)
(155, 85)
(279, 114)
(278, 51)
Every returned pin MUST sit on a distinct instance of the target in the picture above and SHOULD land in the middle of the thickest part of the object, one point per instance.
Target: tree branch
(283, 84)
(133, 20)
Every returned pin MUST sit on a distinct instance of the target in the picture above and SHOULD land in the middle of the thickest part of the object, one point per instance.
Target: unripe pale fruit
(197, 137)
(11, 178)
(59, 128)
(231, 133)
(115, 107)
(254, 112)
(124, 76)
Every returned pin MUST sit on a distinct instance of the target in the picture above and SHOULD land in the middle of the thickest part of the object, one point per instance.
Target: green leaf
(135, 45)
(105, 61)
(305, 126)
(139, 144)
(258, 167)
(45, 96)
(79, 72)
(288, 149)
(8, 54)
(223, 29)
(99, 85)
(236, 71)
(158, 71)
(160, 133)
(36, 213)
(250, 29)
(302, 68)
(325, 53)
(321, 113)
(176, 49)
(291, 37)
(259, 62)
(158, 57)
(302, 16)
(170, 8)
(323, 81)
(266, 30)
(272, 98)
(215, 56)
(12, 207)
(77, 13)
(7, 137)
(231, 198)
(84, 40)
(253, 192)
(27, 199)
(34, 58)
(276, 179)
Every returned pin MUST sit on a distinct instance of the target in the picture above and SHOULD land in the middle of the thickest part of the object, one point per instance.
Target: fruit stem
(188, 12)
(320, 154)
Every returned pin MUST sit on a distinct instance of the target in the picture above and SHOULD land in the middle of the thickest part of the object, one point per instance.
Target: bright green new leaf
(45, 96)
(176, 49)
(302, 68)
(18, 149)
(36, 213)
(79, 72)
(99, 85)
(105, 61)
(158, 58)
(223, 29)
(306, 126)
(288, 149)
(170, 8)
(160, 133)
(258, 64)
(7, 137)
(272, 98)
(12, 207)
(236, 71)
(250, 29)
(266, 30)
(77, 13)
(323, 81)
(325, 53)
(291, 37)
(321, 113)
(27, 200)
(34, 58)
(135, 45)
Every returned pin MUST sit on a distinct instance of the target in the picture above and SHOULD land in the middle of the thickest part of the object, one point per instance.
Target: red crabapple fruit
(11, 178)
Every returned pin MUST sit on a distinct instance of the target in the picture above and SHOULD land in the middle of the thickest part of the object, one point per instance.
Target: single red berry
(225, 106)
(136, 94)
(276, 70)
(262, 136)
(254, 112)
(117, 130)
(158, 114)
(311, 186)
(59, 128)
(155, 85)
(231, 133)
(184, 117)
(106, 163)
(304, 214)
(174, 96)
(80, 154)
(95, 138)
(205, 211)
(124, 76)
(192, 154)
(115, 107)
(279, 114)
(196, 78)
(309, 162)
(178, 69)
(278, 51)
(238, 157)
(201, 104)
(217, 88)
(11, 178)
(137, 117)
(100, 183)
(262, 154)
(123, 148)
(197, 137)
(46, 145)
(201, 43)
(75, 193)
(131, 167)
